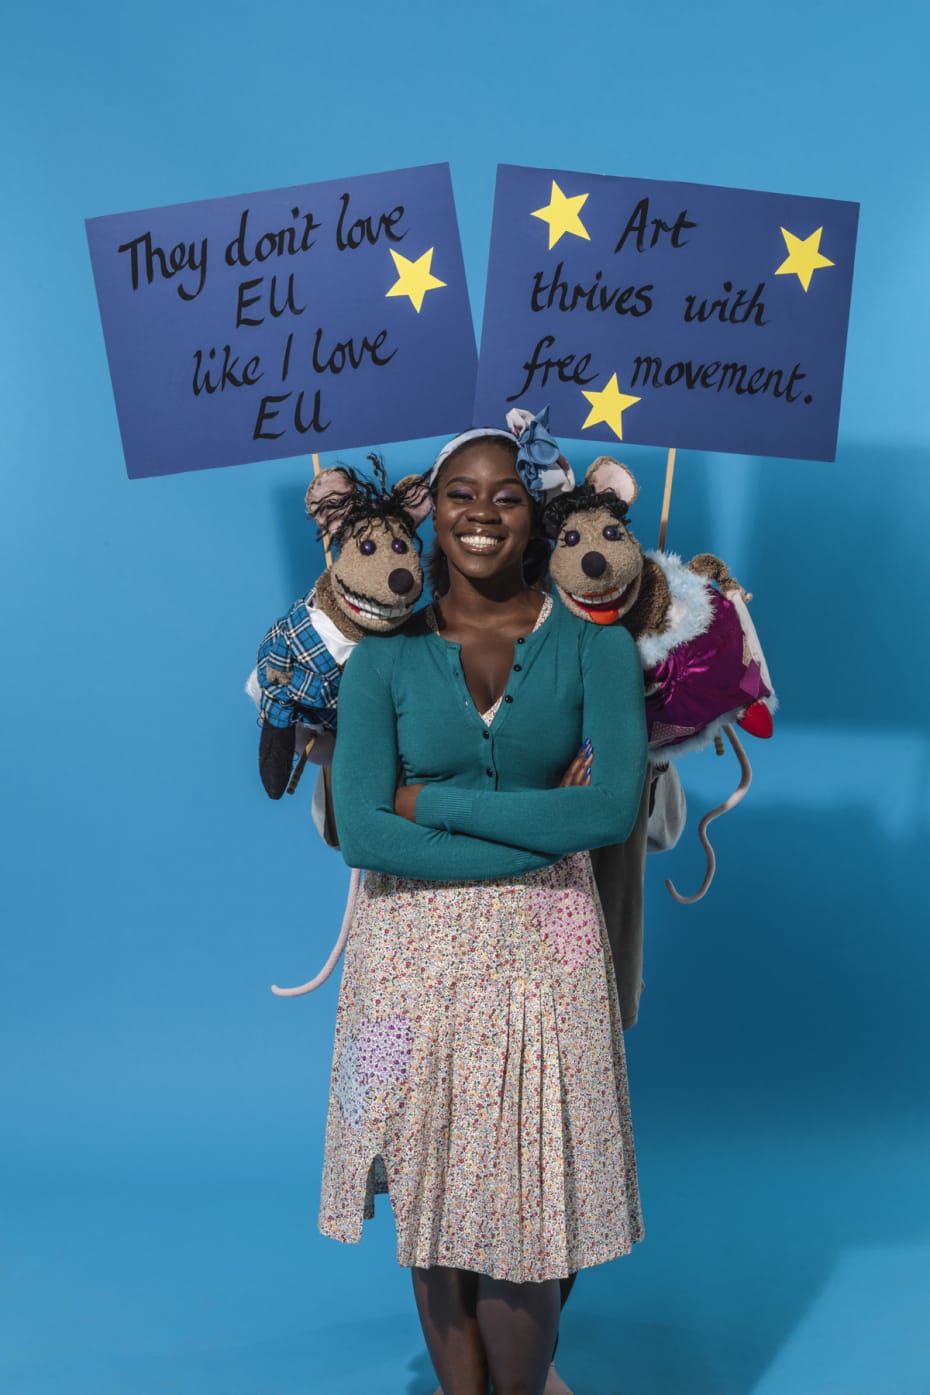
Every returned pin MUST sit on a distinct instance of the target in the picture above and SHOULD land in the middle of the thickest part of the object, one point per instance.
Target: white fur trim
(690, 613)
(253, 688)
(699, 740)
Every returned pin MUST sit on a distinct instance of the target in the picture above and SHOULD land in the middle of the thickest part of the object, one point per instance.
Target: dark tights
(479, 1329)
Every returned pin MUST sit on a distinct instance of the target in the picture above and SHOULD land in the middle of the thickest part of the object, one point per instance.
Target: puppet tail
(731, 803)
(337, 948)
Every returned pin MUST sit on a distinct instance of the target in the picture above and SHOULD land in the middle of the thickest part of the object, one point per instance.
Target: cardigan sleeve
(365, 766)
(563, 821)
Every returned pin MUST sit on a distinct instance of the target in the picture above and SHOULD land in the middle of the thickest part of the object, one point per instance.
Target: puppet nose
(401, 581)
(593, 564)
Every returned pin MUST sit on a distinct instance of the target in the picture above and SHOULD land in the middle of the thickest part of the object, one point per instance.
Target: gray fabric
(619, 871)
(667, 811)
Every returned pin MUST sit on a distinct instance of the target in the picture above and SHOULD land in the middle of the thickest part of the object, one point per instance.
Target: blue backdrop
(162, 1112)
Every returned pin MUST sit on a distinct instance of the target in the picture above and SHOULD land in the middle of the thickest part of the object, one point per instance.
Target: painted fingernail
(587, 778)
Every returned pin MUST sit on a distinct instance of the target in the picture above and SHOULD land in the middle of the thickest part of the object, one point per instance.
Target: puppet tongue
(600, 614)
(757, 720)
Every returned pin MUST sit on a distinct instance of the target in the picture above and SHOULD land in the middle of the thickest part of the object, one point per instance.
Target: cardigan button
(486, 735)
(521, 639)
(489, 771)
(508, 698)
(517, 668)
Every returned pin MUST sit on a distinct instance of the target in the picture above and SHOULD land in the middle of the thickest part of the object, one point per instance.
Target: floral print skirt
(479, 1077)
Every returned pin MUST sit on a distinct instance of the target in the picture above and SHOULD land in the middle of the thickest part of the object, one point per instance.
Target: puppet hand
(405, 801)
(275, 758)
(579, 772)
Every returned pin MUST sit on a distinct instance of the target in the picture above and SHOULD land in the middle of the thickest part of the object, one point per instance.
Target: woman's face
(483, 517)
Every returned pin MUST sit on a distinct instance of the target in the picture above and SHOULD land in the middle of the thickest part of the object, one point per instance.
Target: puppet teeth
(378, 612)
(604, 598)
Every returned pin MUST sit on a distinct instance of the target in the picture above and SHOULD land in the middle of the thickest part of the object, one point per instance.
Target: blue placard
(306, 319)
(667, 314)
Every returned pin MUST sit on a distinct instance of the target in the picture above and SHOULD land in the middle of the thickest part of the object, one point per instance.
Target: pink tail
(731, 803)
(337, 949)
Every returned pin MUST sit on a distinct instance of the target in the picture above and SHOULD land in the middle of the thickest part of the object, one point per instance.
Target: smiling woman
(479, 1074)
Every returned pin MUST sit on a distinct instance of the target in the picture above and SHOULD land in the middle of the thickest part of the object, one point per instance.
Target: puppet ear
(325, 498)
(413, 496)
(606, 473)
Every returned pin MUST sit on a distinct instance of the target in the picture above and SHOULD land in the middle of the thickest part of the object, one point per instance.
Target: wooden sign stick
(667, 497)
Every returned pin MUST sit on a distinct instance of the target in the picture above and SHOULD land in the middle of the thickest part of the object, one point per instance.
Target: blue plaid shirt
(298, 675)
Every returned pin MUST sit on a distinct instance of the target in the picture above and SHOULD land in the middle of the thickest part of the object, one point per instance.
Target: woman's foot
(555, 1385)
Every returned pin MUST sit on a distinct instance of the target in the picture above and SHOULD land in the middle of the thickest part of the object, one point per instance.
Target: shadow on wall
(796, 990)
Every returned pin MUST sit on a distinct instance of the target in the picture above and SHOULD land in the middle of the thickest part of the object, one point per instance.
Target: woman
(478, 1071)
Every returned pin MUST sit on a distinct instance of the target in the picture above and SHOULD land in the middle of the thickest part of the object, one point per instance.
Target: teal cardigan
(490, 807)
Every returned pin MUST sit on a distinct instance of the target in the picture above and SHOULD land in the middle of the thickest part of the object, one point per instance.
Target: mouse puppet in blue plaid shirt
(371, 588)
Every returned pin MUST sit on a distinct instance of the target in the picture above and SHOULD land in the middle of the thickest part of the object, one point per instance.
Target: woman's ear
(413, 496)
(607, 473)
(326, 497)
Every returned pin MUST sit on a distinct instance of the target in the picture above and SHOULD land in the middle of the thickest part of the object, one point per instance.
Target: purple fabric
(702, 680)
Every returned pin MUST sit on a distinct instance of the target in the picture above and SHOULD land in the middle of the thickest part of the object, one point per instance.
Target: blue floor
(795, 1268)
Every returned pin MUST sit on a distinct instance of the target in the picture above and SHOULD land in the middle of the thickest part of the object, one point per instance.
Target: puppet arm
(371, 835)
(563, 821)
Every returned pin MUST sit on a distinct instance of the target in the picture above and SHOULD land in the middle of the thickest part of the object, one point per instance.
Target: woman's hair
(536, 556)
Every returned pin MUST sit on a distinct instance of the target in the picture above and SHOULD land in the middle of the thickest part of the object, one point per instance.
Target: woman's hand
(405, 801)
(579, 771)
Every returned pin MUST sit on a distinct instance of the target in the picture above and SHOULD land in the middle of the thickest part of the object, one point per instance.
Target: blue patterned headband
(540, 464)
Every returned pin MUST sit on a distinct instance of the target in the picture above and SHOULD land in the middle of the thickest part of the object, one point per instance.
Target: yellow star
(608, 406)
(804, 256)
(414, 279)
(561, 214)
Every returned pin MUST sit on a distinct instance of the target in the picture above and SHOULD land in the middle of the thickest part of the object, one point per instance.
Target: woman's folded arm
(365, 764)
(562, 821)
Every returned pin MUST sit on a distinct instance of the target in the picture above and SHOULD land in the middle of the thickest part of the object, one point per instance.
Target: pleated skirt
(479, 1077)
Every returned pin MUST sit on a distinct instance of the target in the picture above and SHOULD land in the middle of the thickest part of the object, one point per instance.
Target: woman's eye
(398, 545)
(458, 494)
(506, 499)
(612, 533)
(367, 546)
(572, 538)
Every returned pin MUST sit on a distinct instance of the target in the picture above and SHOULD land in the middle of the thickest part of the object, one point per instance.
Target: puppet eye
(367, 547)
(612, 533)
(572, 538)
(398, 545)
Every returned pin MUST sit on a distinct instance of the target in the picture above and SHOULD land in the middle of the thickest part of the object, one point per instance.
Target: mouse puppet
(371, 587)
(703, 665)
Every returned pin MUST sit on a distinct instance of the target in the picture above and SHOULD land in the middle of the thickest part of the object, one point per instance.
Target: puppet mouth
(480, 542)
(592, 602)
(368, 609)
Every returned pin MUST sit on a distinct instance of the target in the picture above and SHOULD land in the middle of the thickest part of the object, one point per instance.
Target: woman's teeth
(480, 542)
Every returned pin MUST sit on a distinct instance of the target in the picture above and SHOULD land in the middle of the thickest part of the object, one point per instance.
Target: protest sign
(667, 314)
(288, 322)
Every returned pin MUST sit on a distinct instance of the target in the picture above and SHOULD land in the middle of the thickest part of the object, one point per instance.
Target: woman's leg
(446, 1302)
(518, 1325)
